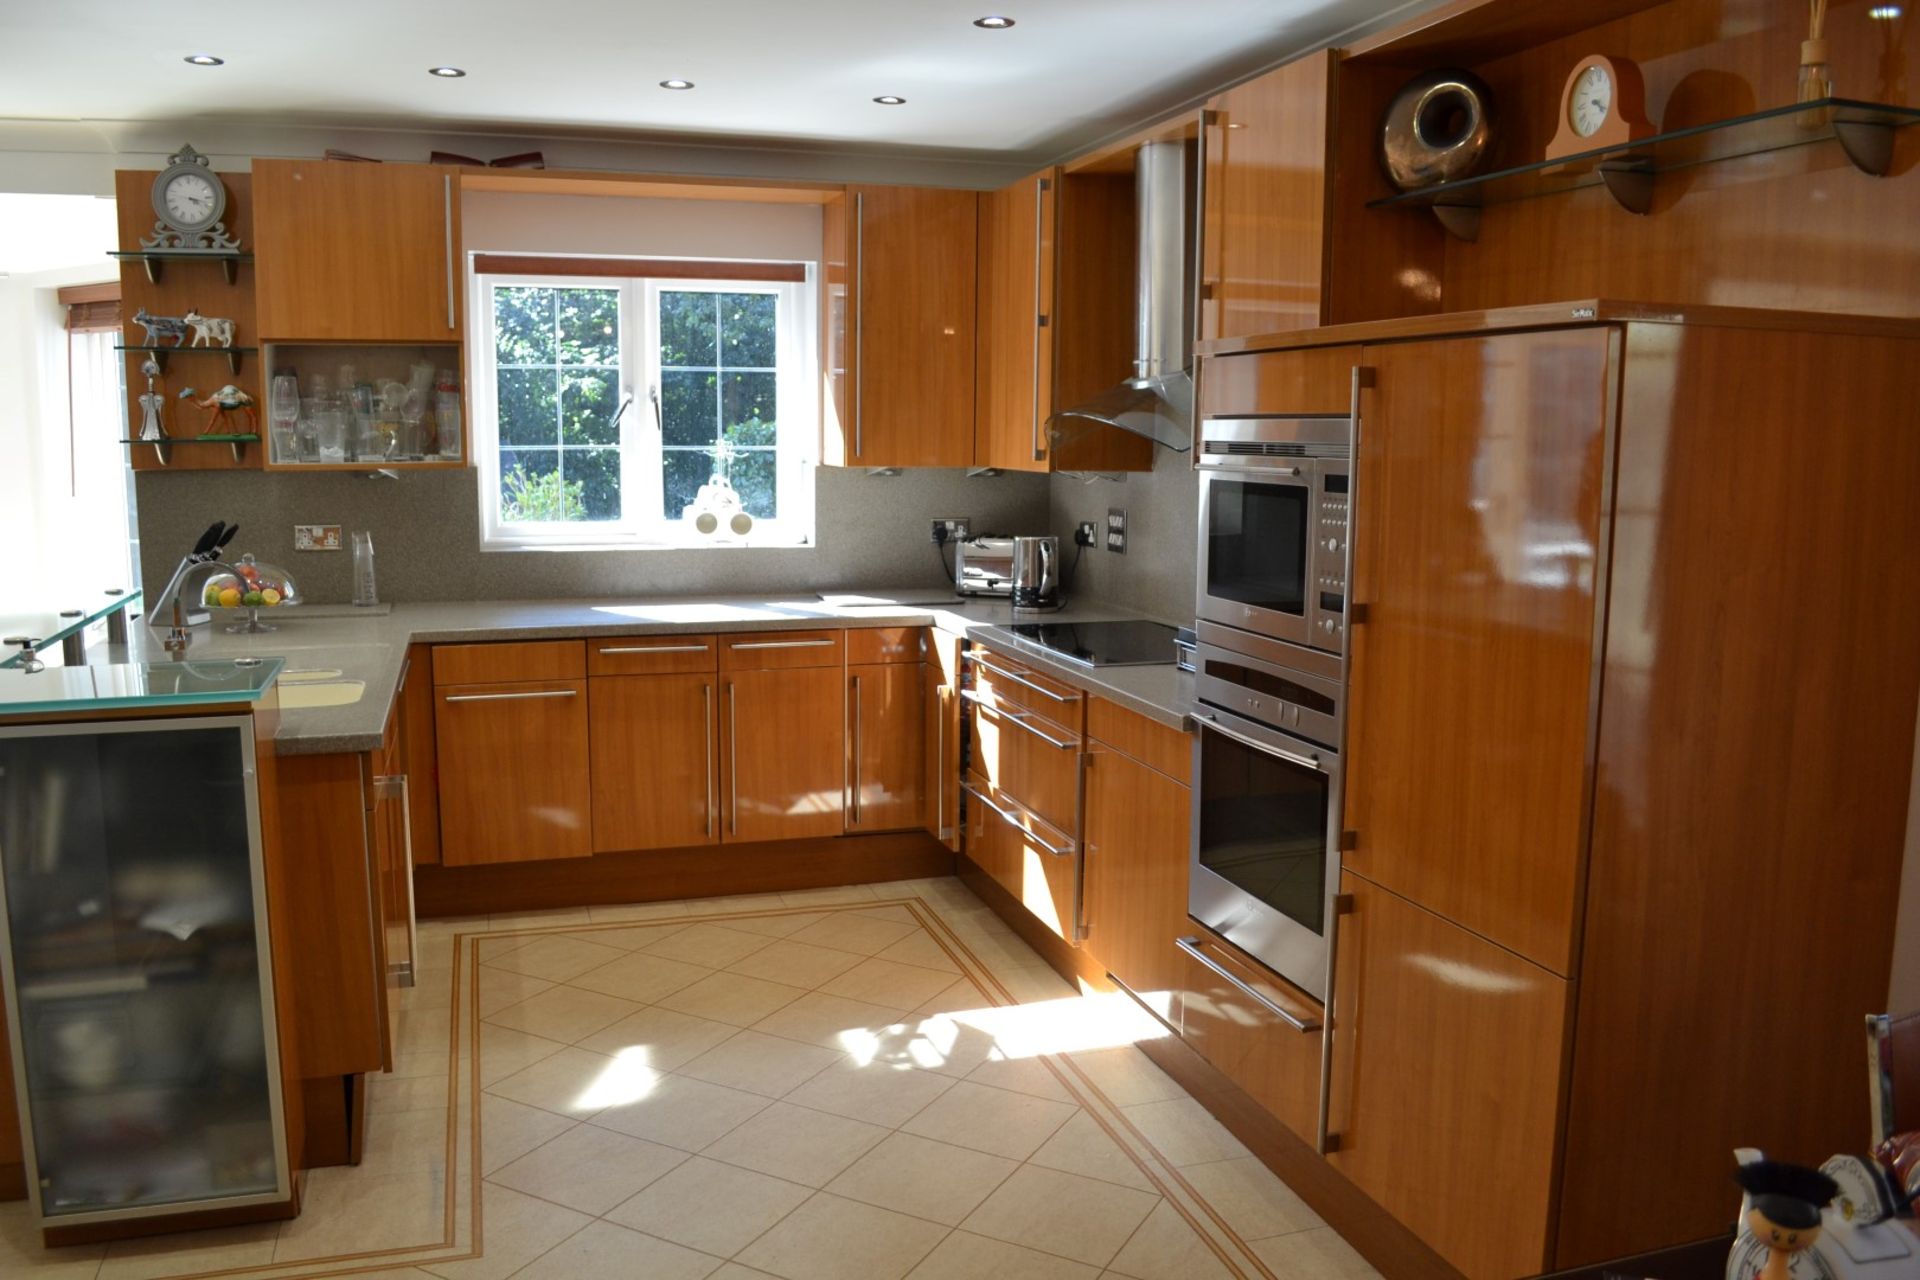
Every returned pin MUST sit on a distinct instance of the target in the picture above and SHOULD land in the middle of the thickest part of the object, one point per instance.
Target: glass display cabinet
(137, 973)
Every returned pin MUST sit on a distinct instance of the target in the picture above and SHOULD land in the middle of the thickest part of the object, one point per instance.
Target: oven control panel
(1330, 558)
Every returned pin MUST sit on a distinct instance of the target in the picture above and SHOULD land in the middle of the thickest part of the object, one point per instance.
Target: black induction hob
(1102, 644)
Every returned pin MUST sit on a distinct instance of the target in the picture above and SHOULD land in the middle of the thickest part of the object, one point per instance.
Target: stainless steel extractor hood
(1157, 401)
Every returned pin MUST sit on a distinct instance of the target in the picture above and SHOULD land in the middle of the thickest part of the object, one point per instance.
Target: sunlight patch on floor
(627, 1079)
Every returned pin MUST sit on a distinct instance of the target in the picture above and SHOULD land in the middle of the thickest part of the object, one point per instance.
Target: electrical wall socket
(316, 537)
(959, 529)
(1116, 530)
(1083, 535)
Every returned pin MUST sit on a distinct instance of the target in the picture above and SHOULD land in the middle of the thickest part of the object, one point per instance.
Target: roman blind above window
(636, 268)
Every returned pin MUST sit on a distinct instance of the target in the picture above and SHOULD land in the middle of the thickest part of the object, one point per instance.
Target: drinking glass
(284, 406)
(330, 431)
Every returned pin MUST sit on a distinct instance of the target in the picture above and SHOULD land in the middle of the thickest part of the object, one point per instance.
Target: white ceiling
(1069, 72)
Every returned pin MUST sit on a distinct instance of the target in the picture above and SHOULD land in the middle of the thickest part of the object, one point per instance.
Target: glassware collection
(348, 419)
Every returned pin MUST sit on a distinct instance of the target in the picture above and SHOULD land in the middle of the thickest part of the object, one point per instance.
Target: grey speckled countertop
(335, 645)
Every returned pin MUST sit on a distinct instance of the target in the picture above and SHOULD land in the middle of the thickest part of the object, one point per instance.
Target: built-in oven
(1266, 806)
(1273, 527)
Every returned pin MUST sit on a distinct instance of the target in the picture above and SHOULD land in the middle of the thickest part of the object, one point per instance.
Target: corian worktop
(373, 647)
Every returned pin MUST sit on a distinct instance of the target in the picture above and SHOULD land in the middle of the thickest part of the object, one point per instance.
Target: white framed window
(606, 407)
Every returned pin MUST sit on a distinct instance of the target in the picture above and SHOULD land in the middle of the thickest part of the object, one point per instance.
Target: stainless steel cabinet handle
(783, 644)
(512, 697)
(733, 761)
(1014, 818)
(656, 648)
(446, 210)
(1039, 318)
(1292, 757)
(940, 761)
(706, 699)
(1082, 927)
(1004, 674)
(1017, 719)
(1322, 1129)
(388, 785)
(1192, 947)
(859, 309)
(856, 750)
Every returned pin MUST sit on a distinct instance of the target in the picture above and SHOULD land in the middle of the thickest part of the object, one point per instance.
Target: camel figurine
(227, 400)
(208, 330)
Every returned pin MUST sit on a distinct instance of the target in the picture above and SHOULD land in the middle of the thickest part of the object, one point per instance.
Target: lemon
(269, 597)
(230, 598)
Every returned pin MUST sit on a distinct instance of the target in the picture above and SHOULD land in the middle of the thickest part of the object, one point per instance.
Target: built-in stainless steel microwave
(1273, 527)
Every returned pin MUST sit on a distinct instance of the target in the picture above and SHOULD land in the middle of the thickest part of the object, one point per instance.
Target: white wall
(513, 222)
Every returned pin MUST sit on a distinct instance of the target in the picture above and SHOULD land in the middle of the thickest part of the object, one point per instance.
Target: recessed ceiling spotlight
(993, 23)
(890, 100)
(676, 84)
(446, 73)
(204, 60)
(1884, 12)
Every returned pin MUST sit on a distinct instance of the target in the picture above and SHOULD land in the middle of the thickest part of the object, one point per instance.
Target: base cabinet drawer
(656, 744)
(513, 772)
(1261, 1032)
(777, 650)
(1035, 863)
(1029, 758)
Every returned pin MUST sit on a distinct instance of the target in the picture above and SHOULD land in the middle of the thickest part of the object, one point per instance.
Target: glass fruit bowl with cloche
(245, 589)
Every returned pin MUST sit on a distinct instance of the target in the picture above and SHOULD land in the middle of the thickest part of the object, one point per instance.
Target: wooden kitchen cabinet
(1263, 220)
(1447, 1065)
(1014, 378)
(1030, 858)
(356, 252)
(655, 760)
(1470, 700)
(783, 753)
(886, 747)
(513, 759)
(898, 321)
(1138, 832)
(1225, 1008)
(943, 753)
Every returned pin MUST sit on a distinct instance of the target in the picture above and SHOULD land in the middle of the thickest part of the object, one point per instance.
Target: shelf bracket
(230, 268)
(1461, 220)
(1867, 143)
(163, 452)
(239, 448)
(1630, 185)
(233, 361)
(153, 269)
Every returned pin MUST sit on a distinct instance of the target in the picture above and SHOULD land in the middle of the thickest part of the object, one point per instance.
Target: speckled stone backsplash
(871, 530)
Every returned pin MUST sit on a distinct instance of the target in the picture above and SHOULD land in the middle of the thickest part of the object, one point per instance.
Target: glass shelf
(129, 685)
(160, 354)
(229, 259)
(1864, 131)
(163, 449)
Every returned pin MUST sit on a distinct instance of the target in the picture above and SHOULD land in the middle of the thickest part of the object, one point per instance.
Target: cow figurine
(207, 330)
(159, 327)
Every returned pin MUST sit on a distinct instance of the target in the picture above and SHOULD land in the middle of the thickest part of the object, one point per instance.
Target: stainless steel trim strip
(1081, 927)
(854, 800)
(940, 693)
(1192, 947)
(1018, 719)
(446, 211)
(782, 644)
(1247, 740)
(859, 280)
(1015, 818)
(973, 655)
(512, 697)
(733, 759)
(706, 701)
(656, 648)
(1039, 319)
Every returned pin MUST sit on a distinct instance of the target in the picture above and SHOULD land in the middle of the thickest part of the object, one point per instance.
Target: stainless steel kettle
(1036, 573)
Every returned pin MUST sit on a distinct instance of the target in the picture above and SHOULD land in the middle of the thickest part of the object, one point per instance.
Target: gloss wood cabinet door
(886, 746)
(1137, 838)
(783, 762)
(1447, 1065)
(1014, 378)
(1471, 689)
(942, 750)
(655, 750)
(513, 772)
(357, 252)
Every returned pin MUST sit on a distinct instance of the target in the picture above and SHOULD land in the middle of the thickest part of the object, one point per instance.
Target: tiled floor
(866, 1083)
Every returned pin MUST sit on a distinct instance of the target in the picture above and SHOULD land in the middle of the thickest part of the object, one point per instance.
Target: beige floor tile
(833, 1021)
(797, 1144)
(509, 1129)
(888, 910)
(1319, 1252)
(682, 1112)
(1254, 1202)
(761, 1063)
(1166, 1247)
(734, 1271)
(602, 1251)
(1081, 1146)
(846, 931)
(710, 1206)
(732, 997)
(492, 949)
(637, 911)
(423, 1031)
(961, 996)
(965, 1256)
(1125, 1076)
(883, 982)
(1055, 1212)
(1022, 1075)
(919, 948)
(552, 918)
(876, 1092)
(402, 1142)
(829, 1238)
(1032, 984)
(516, 1229)
(503, 1051)
(923, 1178)
(712, 945)
(939, 1043)
(632, 937)
(22, 1254)
(835, 895)
(778, 924)
(579, 1084)
(434, 991)
(991, 1120)
(386, 1094)
(554, 958)
(589, 1168)
(502, 987)
(640, 977)
(564, 1013)
(1182, 1131)
(667, 1039)
(186, 1253)
(343, 1213)
(407, 1065)
(795, 963)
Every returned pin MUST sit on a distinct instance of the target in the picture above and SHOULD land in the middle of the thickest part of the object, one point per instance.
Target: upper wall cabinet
(1264, 152)
(357, 252)
(1015, 376)
(898, 315)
